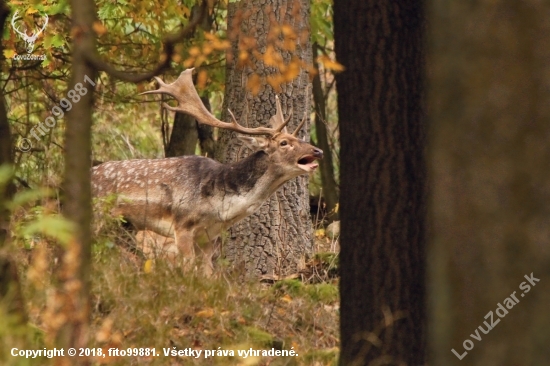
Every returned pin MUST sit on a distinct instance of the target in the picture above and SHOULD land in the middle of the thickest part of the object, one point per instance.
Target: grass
(153, 304)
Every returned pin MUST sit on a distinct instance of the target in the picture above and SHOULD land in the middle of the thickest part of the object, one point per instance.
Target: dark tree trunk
(186, 132)
(276, 238)
(330, 188)
(184, 136)
(490, 168)
(382, 181)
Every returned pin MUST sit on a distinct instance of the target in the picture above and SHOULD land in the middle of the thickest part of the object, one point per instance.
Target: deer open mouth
(308, 163)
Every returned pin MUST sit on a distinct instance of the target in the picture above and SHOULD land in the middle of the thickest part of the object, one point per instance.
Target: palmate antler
(183, 90)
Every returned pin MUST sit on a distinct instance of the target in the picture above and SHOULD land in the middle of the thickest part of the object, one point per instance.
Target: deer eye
(284, 143)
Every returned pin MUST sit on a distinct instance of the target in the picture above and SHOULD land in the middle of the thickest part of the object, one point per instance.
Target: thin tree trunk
(490, 168)
(75, 271)
(275, 239)
(10, 290)
(382, 194)
(186, 132)
(184, 136)
(330, 188)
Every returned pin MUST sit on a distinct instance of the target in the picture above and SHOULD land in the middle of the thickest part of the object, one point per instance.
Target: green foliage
(55, 227)
(321, 22)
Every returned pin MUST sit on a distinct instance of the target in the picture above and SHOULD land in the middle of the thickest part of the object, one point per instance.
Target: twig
(169, 44)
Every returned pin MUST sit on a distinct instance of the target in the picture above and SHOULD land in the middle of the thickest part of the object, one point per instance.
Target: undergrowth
(139, 303)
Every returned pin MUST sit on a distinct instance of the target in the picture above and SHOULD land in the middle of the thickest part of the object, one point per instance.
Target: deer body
(193, 198)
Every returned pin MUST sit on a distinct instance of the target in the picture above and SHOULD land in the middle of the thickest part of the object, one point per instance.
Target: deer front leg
(184, 243)
(204, 247)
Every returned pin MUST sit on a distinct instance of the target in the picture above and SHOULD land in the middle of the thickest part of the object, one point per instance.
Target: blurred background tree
(490, 178)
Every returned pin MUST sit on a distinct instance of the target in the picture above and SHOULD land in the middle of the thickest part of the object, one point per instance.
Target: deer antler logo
(29, 40)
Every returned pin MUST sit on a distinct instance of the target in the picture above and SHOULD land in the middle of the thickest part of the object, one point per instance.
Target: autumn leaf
(194, 51)
(275, 81)
(272, 57)
(330, 64)
(286, 298)
(99, 28)
(292, 71)
(148, 266)
(254, 84)
(9, 53)
(206, 313)
(202, 77)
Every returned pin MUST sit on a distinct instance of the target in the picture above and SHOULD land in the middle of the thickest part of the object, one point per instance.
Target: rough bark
(382, 194)
(489, 164)
(275, 239)
(330, 188)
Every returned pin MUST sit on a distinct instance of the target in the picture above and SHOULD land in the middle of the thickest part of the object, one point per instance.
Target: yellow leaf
(99, 28)
(206, 313)
(292, 71)
(202, 77)
(330, 64)
(194, 51)
(221, 45)
(31, 11)
(176, 58)
(275, 81)
(254, 84)
(207, 49)
(272, 57)
(189, 62)
(288, 31)
(320, 233)
(148, 266)
(9, 53)
(286, 298)
(289, 44)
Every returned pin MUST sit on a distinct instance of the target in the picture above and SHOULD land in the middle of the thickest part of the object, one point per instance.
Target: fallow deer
(194, 198)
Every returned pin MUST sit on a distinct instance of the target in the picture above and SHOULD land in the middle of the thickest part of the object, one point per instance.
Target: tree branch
(169, 44)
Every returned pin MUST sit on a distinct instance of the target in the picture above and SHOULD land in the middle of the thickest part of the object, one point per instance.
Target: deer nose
(318, 153)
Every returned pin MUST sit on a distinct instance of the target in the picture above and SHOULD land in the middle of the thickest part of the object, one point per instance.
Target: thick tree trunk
(382, 194)
(275, 239)
(489, 164)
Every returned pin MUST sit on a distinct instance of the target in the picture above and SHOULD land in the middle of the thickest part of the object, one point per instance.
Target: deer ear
(255, 143)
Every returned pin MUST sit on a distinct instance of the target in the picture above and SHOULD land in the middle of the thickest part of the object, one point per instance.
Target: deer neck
(255, 175)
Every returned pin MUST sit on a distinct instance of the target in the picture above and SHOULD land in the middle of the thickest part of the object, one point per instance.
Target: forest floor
(139, 303)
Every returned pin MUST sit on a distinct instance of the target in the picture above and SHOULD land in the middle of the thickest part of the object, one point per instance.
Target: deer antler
(189, 102)
(13, 19)
(43, 27)
(295, 133)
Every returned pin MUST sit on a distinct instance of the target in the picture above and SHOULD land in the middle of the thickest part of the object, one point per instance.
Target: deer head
(291, 155)
(29, 40)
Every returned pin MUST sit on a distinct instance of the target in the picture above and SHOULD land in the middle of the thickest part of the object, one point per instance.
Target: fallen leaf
(148, 266)
(206, 313)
